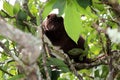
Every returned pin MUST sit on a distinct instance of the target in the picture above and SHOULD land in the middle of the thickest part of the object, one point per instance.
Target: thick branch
(31, 48)
(31, 44)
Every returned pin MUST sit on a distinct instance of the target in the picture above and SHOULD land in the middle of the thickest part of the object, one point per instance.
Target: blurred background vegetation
(89, 18)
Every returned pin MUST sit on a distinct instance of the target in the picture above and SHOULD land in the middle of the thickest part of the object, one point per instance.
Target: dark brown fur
(54, 29)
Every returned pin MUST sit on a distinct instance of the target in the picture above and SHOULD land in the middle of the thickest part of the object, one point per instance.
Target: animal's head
(52, 22)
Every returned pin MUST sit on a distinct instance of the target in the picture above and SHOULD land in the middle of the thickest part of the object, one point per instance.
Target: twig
(78, 66)
(98, 28)
(108, 44)
(15, 50)
(44, 64)
(115, 57)
(44, 46)
(7, 61)
(72, 68)
(39, 74)
(25, 7)
(30, 24)
(64, 57)
(86, 75)
(11, 54)
(114, 5)
(108, 49)
(101, 41)
(98, 62)
(7, 15)
(6, 72)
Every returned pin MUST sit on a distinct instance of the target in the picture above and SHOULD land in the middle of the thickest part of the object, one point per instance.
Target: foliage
(88, 18)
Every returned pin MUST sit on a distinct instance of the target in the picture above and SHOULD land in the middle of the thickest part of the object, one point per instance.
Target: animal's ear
(48, 16)
(60, 20)
(81, 42)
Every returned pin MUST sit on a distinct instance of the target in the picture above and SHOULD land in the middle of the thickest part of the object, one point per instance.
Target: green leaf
(33, 9)
(84, 3)
(38, 20)
(55, 74)
(97, 73)
(59, 4)
(59, 63)
(76, 51)
(98, 6)
(16, 8)
(48, 7)
(2, 14)
(86, 46)
(105, 71)
(21, 15)
(72, 21)
(8, 8)
(20, 18)
(17, 77)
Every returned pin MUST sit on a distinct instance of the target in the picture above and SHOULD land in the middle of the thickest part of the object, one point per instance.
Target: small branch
(108, 44)
(11, 54)
(44, 58)
(110, 60)
(6, 72)
(114, 5)
(72, 68)
(29, 24)
(102, 43)
(45, 47)
(116, 59)
(57, 54)
(64, 57)
(110, 75)
(86, 75)
(7, 61)
(15, 50)
(98, 28)
(114, 64)
(39, 74)
(5, 49)
(80, 66)
(7, 15)
(25, 7)
(44, 64)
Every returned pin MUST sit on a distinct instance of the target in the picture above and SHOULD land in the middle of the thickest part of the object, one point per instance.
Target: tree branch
(66, 59)
(31, 48)
(25, 40)
(6, 72)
